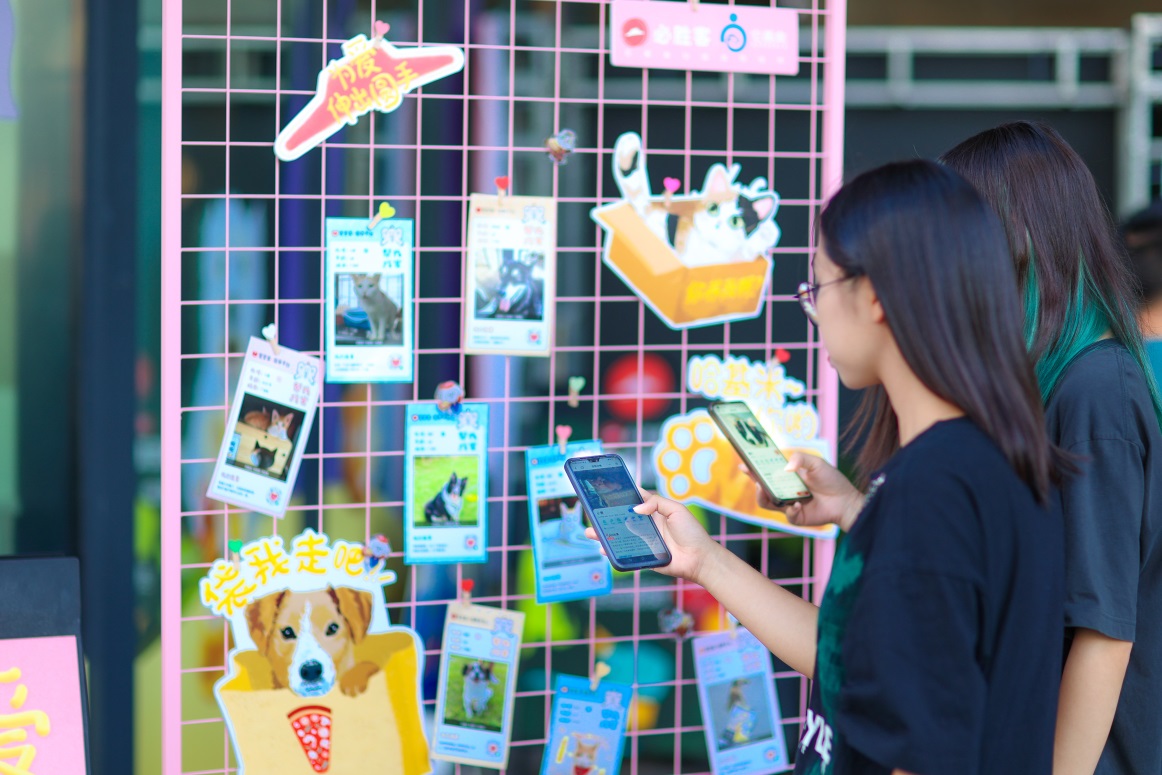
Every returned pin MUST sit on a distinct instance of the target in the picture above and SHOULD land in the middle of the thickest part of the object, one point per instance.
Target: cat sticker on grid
(474, 696)
(695, 259)
(740, 715)
(369, 310)
(587, 730)
(510, 296)
(270, 421)
(446, 483)
(569, 566)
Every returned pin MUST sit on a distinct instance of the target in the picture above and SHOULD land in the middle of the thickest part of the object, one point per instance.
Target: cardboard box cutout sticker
(318, 681)
(697, 259)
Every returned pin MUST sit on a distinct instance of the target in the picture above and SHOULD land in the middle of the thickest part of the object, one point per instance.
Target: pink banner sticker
(710, 36)
(40, 694)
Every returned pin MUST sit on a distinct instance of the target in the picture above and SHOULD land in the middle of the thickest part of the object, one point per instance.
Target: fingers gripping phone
(608, 495)
(757, 449)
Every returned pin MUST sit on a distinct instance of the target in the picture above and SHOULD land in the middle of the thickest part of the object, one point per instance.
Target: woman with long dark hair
(932, 650)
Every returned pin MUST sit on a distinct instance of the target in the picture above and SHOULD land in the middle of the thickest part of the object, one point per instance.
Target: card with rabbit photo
(446, 483)
(369, 293)
(569, 566)
(587, 729)
(740, 714)
(474, 696)
(510, 293)
(270, 421)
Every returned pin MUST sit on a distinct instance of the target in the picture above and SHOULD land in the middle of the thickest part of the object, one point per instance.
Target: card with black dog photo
(446, 483)
(270, 420)
(474, 696)
(510, 295)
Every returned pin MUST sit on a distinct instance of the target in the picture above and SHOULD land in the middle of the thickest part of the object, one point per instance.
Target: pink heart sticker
(564, 432)
(672, 184)
(502, 182)
(782, 356)
(380, 28)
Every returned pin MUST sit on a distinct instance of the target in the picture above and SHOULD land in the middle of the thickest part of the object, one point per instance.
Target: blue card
(569, 565)
(445, 483)
(478, 662)
(587, 730)
(736, 689)
(369, 310)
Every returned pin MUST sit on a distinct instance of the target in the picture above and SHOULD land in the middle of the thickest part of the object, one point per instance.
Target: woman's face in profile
(845, 322)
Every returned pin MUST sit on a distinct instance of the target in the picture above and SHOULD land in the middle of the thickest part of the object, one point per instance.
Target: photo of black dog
(512, 290)
(752, 433)
(445, 507)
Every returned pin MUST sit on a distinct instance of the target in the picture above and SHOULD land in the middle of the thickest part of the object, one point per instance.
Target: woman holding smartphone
(1102, 406)
(932, 650)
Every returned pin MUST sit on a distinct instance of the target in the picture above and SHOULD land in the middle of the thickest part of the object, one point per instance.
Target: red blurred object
(467, 585)
(782, 356)
(623, 378)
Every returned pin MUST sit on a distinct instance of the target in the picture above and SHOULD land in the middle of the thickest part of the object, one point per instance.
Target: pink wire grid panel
(243, 246)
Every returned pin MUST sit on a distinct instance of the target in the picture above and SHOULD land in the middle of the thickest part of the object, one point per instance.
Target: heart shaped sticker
(672, 184)
(386, 210)
(380, 28)
(270, 332)
(502, 182)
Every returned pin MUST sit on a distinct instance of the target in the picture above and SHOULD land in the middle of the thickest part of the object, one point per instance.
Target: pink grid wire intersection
(507, 44)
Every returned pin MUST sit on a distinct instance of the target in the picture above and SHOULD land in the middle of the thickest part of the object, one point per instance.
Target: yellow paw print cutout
(696, 464)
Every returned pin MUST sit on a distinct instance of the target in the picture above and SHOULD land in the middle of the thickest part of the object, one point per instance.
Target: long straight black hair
(936, 255)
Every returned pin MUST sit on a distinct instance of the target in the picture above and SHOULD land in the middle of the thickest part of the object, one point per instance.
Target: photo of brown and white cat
(726, 222)
(265, 436)
(373, 310)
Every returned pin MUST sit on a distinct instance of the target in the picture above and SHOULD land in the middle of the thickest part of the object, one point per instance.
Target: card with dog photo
(318, 680)
(587, 729)
(510, 295)
(270, 420)
(446, 484)
(474, 697)
(736, 689)
(569, 566)
(370, 275)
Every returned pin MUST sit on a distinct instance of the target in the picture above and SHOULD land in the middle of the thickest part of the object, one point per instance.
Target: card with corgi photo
(510, 293)
(446, 483)
(317, 678)
(270, 421)
(740, 714)
(369, 310)
(569, 566)
(587, 730)
(474, 696)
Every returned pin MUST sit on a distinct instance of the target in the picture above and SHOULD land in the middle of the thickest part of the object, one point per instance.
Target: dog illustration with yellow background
(319, 682)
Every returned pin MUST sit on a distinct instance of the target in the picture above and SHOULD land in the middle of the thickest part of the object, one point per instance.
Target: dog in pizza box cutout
(695, 259)
(318, 681)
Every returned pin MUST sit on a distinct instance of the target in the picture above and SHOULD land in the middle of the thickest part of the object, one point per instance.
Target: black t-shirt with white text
(940, 629)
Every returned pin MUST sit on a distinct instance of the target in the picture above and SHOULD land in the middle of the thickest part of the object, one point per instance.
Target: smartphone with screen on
(608, 495)
(757, 449)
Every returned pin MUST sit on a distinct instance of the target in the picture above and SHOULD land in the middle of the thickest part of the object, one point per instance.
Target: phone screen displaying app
(759, 448)
(611, 495)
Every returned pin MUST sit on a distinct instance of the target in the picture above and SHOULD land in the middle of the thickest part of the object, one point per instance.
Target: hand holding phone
(758, 451)
(608, 495)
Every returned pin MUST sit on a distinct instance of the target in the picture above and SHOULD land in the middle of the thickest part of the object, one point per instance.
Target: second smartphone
(757, 449)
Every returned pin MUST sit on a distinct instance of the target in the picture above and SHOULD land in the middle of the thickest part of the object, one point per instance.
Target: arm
(1090, 688)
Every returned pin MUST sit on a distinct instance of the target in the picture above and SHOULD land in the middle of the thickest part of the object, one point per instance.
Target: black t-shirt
(1102, 411)
(940, 631)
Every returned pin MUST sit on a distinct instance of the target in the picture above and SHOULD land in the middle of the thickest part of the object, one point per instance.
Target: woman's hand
(689, 543)
(835, 500)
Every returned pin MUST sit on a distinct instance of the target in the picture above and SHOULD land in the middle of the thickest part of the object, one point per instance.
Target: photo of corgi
(447, 504)
(582, 758)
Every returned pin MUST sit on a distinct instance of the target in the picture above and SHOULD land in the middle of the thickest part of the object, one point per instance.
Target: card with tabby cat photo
(270, 421)
(510, 295)
(370, 276)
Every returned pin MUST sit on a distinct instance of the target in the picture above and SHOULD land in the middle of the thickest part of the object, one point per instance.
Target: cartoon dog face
(309, 637)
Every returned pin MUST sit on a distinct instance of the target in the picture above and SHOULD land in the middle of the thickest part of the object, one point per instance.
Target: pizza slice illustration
(312, 727)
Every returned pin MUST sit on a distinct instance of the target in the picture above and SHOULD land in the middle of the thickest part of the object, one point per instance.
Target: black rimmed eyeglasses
(808, 292)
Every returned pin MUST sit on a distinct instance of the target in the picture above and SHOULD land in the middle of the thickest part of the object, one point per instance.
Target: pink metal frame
(824, 22)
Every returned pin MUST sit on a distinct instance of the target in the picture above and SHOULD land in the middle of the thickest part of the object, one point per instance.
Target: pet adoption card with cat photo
(270, 421)
(736, 689)
(369, 282)
(569, 566)
(510, 296)
(587, 730)
(474, 696)
(446, 483)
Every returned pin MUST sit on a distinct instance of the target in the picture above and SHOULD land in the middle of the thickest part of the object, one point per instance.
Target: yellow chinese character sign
(41, 721)
(307, 687)
(371, 75)
(696, 464)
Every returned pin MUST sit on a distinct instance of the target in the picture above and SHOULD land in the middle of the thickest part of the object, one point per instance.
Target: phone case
(601, 536)
(742, 456)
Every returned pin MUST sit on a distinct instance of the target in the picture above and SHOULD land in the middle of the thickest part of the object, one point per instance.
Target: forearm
(1090, 687)
(785, 623)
